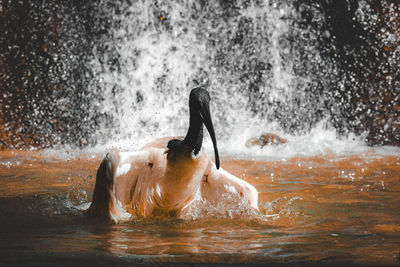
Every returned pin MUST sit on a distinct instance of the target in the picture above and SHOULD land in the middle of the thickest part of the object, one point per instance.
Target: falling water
(240, 52)
(118, 73)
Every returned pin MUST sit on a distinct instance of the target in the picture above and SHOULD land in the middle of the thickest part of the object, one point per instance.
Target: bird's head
(199, 103)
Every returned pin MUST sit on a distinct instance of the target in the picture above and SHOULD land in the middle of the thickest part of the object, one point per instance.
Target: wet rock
(266, 139)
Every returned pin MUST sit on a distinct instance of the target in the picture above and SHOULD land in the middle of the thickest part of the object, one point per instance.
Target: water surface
(325, 209)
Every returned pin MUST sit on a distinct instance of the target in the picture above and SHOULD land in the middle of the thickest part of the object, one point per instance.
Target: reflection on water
(323, 209)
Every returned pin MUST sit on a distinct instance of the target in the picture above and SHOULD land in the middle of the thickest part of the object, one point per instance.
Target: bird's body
(167, 175)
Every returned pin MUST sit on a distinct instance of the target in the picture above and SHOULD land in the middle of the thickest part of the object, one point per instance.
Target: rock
(265, 140)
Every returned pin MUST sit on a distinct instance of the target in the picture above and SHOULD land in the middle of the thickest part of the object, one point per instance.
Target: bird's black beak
(205, 115)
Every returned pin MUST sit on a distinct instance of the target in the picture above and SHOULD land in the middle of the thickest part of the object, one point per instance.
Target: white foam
(319, 141)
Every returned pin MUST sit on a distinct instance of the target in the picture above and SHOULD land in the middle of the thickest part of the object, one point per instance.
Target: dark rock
(266, 139)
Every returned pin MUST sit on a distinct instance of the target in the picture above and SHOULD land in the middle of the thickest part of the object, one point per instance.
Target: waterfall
(120, 72)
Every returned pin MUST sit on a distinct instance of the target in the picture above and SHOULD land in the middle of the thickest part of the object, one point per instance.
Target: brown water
(325, 209)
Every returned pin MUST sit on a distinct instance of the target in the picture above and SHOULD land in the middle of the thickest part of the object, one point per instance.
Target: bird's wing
(218, 183)
(130, 166)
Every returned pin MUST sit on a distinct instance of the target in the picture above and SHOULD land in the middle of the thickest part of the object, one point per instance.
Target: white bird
(167, 175)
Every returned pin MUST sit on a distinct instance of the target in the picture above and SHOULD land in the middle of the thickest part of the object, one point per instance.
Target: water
(80, 78)
(324, 209)
(93, 73)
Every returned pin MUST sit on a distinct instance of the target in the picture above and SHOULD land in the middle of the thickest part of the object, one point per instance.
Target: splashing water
(259, 81)
(162, 51)
(117, 73)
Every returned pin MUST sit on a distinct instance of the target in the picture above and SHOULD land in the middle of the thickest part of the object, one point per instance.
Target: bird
(166, 176)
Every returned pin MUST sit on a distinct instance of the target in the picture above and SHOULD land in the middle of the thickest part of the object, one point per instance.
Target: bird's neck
(194, 136)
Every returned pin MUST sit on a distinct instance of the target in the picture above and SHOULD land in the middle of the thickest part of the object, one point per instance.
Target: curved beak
(206, 117)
